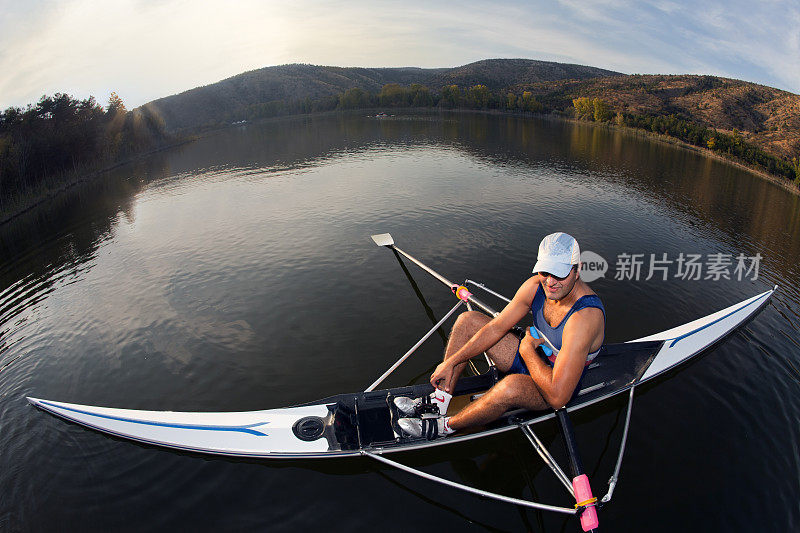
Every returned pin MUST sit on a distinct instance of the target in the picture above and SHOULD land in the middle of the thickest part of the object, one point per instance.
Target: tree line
(448, 97)
(394, 95)
(61, 135)
(734, 145)
(585, 108)
(731, 144)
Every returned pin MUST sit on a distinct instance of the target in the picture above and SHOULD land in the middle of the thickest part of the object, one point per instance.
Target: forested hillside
(290, 89)
(756, 125)
(765, 117)
(47, 145)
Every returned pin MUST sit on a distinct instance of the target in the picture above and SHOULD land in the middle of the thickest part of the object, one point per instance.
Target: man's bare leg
(515, 391)
(466, 325)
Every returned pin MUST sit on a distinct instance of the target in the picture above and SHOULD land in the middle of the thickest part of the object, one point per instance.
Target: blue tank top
(552, 335)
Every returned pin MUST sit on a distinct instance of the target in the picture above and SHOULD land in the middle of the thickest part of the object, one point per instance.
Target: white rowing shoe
(429, 427)
(437, 402)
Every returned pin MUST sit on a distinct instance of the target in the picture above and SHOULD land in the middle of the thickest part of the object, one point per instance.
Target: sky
(144, 50)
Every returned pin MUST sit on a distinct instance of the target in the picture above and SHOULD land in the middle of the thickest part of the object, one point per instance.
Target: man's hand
(529, 344)
(442, 377)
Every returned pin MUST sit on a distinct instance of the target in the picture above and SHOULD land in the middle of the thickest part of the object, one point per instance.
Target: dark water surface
(237, 273)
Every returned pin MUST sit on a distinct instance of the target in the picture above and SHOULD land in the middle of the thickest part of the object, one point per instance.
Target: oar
(429, 311)
(420, 296)
(385, 239)
(580, 481)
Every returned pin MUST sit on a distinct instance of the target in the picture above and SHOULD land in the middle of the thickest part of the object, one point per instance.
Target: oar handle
(536, 335)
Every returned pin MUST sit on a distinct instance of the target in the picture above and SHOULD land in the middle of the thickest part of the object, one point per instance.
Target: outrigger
(365, 423)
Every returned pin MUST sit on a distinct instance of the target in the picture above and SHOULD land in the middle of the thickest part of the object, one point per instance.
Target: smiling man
(571, 320)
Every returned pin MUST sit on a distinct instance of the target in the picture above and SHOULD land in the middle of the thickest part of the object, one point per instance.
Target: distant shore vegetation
(48, 145)
(478, 97)
(394, 95)
(731, 145)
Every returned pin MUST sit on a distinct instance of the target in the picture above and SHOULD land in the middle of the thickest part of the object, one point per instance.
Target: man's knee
(510, 386)
(516, 391)
(470, 322)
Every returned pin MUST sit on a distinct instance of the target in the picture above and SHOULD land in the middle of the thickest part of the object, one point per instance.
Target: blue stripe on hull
(238, 429)
(704, 326)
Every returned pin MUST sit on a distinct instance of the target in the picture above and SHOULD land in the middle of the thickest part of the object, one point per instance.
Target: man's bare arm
(492, 332)
(557, 384)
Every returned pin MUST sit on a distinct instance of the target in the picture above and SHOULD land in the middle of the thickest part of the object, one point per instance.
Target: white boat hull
(274, 433)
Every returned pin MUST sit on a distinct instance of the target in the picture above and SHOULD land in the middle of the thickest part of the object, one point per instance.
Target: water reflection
(684, 182)
(236, 272)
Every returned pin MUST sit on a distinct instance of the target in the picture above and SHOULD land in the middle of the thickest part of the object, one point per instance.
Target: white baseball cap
(557, 253)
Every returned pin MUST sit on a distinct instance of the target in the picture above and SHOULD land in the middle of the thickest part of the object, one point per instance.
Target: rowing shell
(364, 422)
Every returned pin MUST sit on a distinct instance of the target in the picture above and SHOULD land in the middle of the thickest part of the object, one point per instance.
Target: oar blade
(384, 239)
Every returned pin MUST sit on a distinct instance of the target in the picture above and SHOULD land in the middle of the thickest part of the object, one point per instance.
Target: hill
(216, 103)
(47, 147)
(765, 117)
(754, 124)
(502, 73)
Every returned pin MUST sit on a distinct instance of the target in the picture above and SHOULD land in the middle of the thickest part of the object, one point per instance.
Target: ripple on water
(240, 275)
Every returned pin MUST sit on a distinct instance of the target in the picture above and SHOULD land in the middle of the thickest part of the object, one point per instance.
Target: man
(565, 310)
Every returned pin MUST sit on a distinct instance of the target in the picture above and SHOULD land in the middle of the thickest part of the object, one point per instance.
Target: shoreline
(658, 137)
(666, 139)
(34, 198)
(43, 194)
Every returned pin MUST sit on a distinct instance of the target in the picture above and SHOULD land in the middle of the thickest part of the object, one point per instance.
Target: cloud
(145, 50)
(751, 41)
(137, 48)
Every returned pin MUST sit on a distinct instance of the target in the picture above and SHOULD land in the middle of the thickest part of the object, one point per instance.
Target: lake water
(237, 273)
